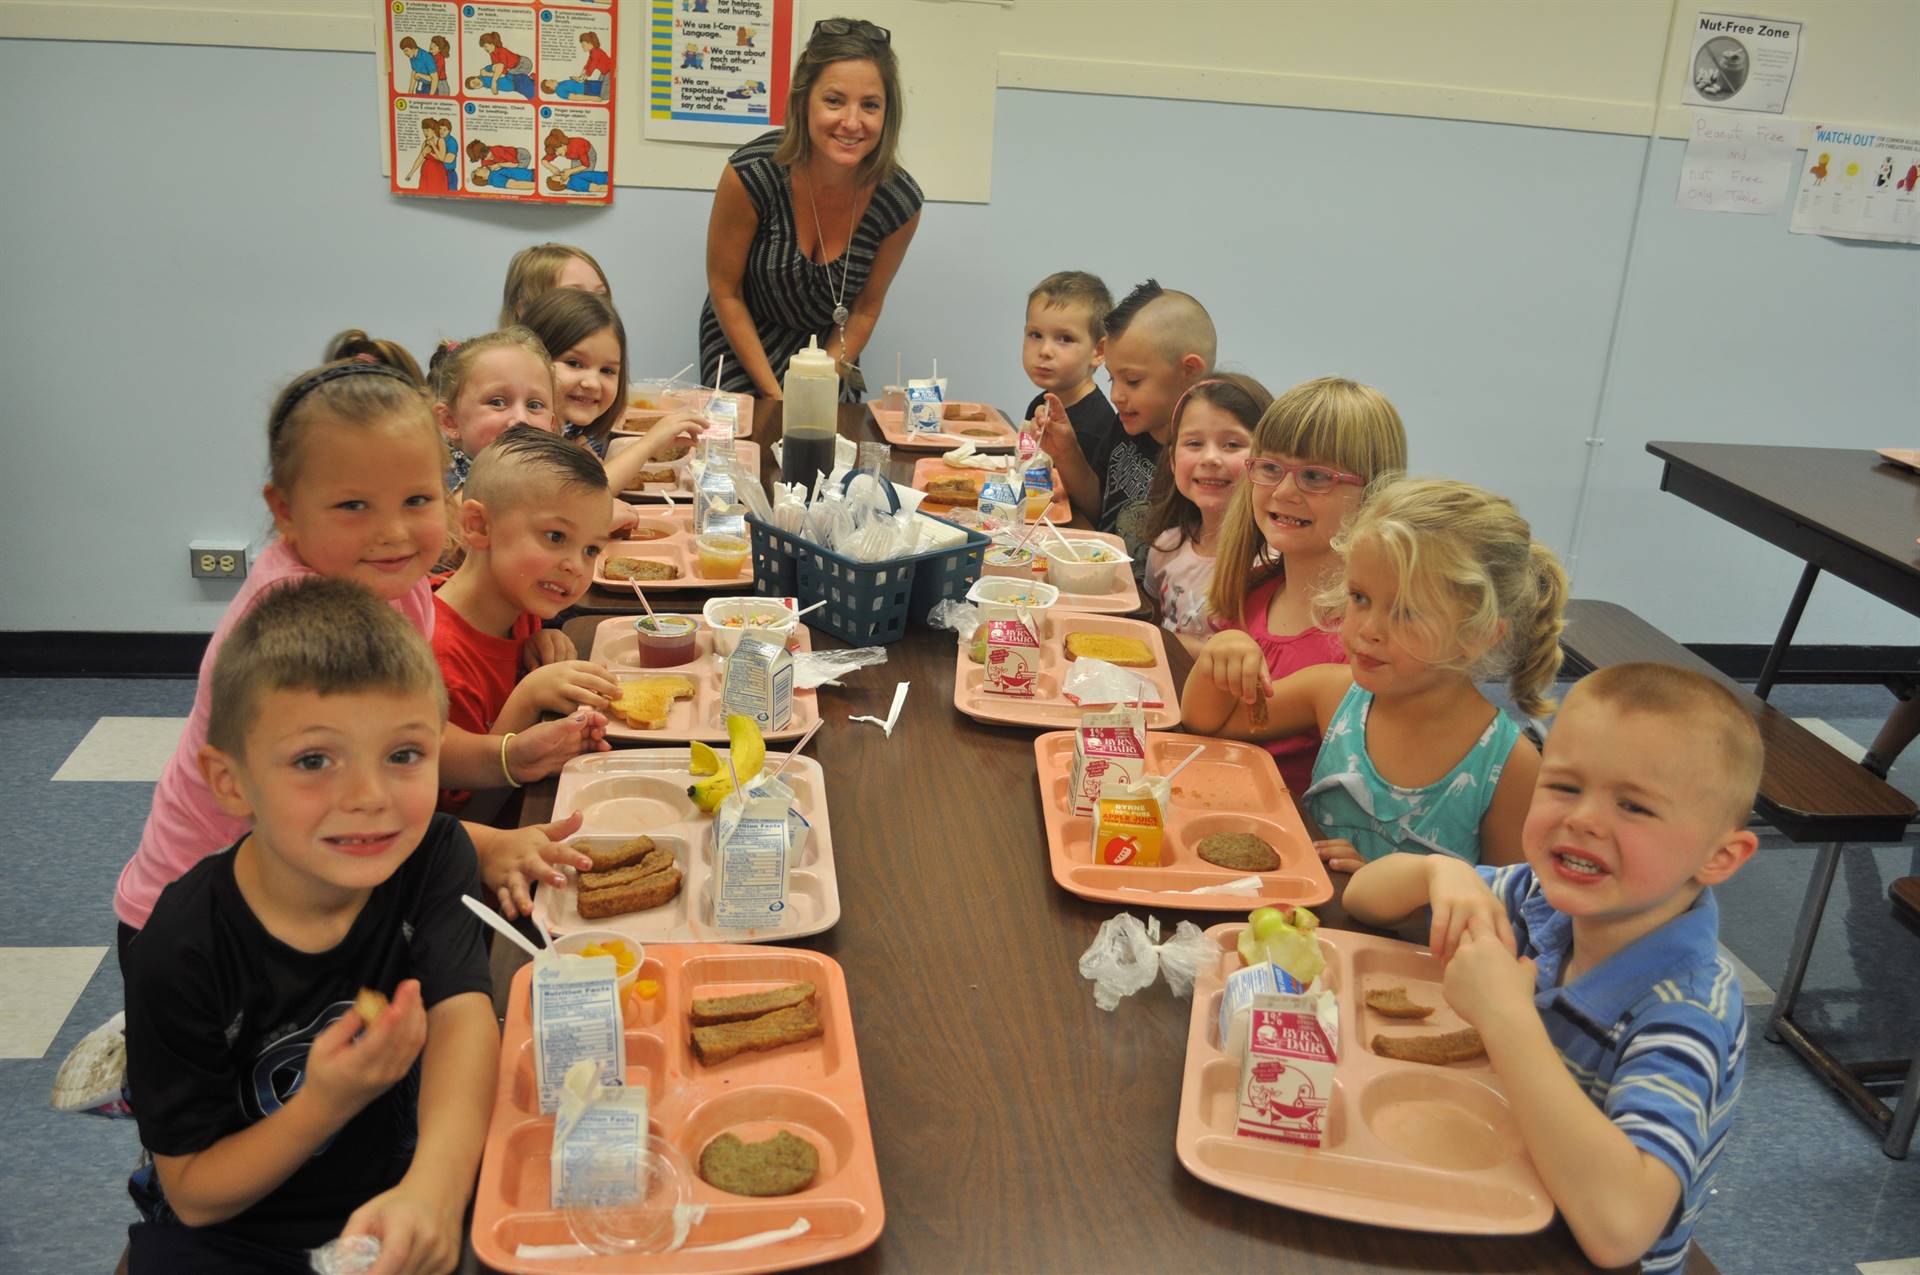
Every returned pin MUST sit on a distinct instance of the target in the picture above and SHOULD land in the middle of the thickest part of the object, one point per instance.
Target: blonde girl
(541, 269)
(1193, 486)
(1315, 450)
(1442, 586)
(484, 387)
(583, 333)
(354, 486)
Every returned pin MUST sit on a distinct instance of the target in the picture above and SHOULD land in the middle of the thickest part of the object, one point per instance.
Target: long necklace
(840, 295)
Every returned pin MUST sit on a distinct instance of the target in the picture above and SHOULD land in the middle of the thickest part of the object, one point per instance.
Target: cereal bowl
(730, 618)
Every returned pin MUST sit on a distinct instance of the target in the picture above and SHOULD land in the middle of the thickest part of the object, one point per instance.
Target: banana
(748, 752)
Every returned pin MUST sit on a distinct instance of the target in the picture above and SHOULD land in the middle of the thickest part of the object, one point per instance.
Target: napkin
(1249, 886)
(893, 714)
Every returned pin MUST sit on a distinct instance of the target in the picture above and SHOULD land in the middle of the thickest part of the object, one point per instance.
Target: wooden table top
(1018, 1126)
(1843, 509)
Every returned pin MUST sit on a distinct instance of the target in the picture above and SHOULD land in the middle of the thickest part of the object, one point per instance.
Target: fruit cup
(665, 640)
(720, 557)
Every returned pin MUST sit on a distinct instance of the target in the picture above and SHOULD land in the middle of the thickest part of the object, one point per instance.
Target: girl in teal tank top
(1442, 587)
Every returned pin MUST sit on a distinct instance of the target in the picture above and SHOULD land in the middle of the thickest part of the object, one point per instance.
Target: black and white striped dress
(790, 297)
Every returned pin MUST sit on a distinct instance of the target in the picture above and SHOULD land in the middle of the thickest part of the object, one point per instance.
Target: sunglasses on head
(1318, 479)
(852, 26)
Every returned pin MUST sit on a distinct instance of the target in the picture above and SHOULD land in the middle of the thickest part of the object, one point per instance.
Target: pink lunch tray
(999, 435)
(675, 548)
(928, 468)
(1051, 710)
(681, 487)
(617, 645)
(700, 717)
(1905, 457)
(630, 792)
(1232, 787)
(812, 1090)
(639, 419)
(1407, 1145)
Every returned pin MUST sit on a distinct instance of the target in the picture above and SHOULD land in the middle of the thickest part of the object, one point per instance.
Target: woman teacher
(810, 222)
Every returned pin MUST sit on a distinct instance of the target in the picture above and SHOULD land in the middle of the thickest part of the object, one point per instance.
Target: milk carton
(1244, 985)
(576, 1017)
(1286, 1079)
(1109, 745)
(759, 682)
(599, 1142)
(1003, 500)
(752, 839)
(1012, 653)
(926, 405)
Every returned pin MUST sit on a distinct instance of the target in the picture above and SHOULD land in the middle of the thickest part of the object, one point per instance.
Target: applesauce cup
(665, 640)
(720, 557)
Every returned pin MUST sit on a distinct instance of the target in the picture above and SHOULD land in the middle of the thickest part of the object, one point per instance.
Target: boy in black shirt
(1159, 342)
(1066, 339)
(277, 1116)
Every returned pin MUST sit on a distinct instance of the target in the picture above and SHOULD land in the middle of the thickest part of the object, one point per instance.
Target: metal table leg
(1900, 1132)
(1825, 864)
(1784, 638)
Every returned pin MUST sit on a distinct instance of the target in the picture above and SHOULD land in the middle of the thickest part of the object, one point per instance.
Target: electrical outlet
(217, 560)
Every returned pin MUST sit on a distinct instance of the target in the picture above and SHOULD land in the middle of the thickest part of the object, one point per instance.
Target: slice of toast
(1452, 1047)
(620, 856)
(732, 1009)
(645, 702)
(655, 861)
(782, 1027)
(953, 490)
(1392, 1002)
(635, 896)
(1124, 651)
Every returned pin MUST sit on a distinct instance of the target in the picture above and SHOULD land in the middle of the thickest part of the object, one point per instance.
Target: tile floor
(1803, 1187)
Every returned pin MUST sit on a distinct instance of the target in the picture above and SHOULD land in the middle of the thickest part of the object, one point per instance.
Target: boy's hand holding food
(1459, 898)
(1485, 982)
(672, 429)
(548, 646)
(1055, 431)
(345, 1074)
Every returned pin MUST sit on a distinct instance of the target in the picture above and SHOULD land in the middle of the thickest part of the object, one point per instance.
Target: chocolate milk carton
(1286, 1079)
(1013, 653)
(1108, 745)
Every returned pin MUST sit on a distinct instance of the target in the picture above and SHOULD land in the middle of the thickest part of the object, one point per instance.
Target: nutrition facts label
(575, 1016)
(752, 858)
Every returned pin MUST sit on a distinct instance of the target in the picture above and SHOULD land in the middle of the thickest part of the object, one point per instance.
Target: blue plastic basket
(867, 603)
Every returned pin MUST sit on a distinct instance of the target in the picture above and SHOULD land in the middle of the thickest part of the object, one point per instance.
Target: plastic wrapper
(813, 669)
(348, 1255)
(957, 614)
(1126, 956)
(1098, 682)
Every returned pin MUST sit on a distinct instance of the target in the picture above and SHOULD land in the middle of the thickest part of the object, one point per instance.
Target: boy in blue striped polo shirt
(1600, 953)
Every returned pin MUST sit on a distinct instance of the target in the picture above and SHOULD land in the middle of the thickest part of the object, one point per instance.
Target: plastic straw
(642, 596)
(1185, 762)
(795, 750)
(1065, 543)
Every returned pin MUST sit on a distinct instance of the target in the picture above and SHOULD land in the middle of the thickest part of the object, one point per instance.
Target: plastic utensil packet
(348, 1255)
(812, 669)
(1098, 682)
(1125, 956)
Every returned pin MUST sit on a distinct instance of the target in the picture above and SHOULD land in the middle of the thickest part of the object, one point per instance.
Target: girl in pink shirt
(1199, 469)
(355, 462)
(1315, 450)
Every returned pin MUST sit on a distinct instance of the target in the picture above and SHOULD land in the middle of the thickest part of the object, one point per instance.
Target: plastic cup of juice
(720, 557)
(1037, 503)
(665, 640)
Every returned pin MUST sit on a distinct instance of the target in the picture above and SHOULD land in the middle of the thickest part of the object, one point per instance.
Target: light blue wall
(187, 238)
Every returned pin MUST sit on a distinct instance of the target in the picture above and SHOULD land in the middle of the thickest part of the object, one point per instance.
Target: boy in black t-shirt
(1066, 339)
(277, 1117)
(1159, 342)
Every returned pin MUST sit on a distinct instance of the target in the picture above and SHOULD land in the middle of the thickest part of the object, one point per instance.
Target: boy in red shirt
(536, 516)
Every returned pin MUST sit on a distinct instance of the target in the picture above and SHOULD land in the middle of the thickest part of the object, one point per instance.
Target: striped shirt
(1656, 1035)
(790, 297)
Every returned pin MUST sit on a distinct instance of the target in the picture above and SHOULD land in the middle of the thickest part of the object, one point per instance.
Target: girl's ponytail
(1536, 648)
(356, 344)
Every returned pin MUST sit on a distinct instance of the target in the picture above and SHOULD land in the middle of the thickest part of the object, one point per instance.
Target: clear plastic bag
(813, 669)
(958, 614)
(1125, 956)
(1098, 682)
(348, 1255)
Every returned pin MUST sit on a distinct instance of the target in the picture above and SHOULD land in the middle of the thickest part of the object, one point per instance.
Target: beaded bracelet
(504, 768)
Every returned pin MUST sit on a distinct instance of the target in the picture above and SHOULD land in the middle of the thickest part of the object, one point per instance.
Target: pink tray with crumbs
(1050, 709)
(1229, 787)
(1407, 1145)
(989, 430)
(615, 645)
